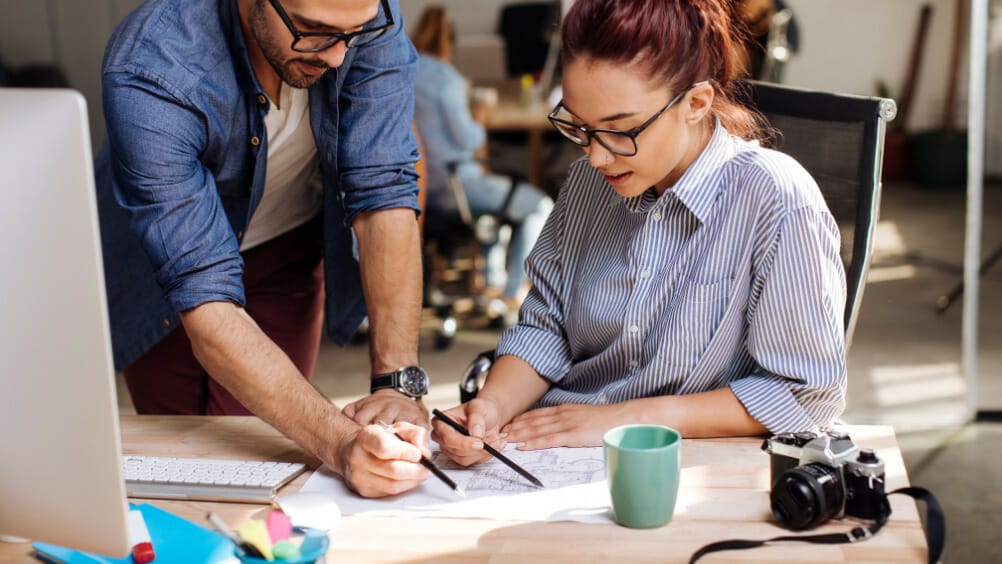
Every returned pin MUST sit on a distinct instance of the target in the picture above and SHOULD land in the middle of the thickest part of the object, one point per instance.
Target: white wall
(847, 45)
(70, 32)
(479, 53)
(993, 131)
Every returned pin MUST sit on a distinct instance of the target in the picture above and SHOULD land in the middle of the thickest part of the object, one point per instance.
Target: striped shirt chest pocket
(695, 316)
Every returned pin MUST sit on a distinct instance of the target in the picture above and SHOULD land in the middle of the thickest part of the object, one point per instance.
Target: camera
(817, 477)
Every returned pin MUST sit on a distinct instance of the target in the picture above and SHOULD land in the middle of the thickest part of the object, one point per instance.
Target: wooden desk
(510, 116)
(731, 475)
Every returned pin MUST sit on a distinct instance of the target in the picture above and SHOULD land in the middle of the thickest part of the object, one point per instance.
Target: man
(259, 175)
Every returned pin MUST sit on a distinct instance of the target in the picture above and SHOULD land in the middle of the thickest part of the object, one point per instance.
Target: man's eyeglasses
(316, 41)
(622, 143)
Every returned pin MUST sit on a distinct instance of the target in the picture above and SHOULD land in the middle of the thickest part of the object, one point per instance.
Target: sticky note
(256, 533)
(279, 526)
(285, 550)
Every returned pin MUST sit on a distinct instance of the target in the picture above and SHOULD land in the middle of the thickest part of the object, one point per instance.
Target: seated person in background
(450, 133)
(687, 276)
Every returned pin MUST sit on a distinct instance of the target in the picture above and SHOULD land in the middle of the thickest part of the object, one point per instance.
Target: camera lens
(806, 496)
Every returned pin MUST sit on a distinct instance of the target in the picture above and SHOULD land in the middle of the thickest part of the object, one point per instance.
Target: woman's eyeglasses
(315, 41)
(622, 143)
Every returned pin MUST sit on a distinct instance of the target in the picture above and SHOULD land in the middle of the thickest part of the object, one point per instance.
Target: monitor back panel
(60, 479)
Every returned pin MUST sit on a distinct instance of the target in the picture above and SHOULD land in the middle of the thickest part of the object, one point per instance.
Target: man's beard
(287, 70)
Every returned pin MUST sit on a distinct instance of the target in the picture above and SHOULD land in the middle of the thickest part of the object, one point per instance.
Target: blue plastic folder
(174, 539)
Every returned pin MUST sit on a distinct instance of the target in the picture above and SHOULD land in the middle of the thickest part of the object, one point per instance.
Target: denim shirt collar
(229, 16)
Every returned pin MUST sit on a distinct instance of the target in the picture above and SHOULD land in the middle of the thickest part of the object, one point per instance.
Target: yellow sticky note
(256, 533)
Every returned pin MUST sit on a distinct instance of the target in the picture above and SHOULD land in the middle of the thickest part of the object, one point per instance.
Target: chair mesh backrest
(839, 140)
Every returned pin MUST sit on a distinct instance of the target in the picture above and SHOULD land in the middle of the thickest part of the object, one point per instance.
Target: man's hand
(375, 463)
(480, 417)
(388, 406)
(570, 425)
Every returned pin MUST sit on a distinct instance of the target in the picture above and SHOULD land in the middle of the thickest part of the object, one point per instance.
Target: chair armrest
(476, 373)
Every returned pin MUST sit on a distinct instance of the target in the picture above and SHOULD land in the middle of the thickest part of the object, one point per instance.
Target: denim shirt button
(240, 235)
(255, 141)
(262, 99)
(166, 322)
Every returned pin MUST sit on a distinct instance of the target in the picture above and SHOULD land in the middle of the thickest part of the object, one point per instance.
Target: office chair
(944, 301)
(454, 262)
(839, 139)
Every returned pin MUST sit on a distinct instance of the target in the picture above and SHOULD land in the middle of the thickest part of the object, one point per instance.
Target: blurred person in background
(451, 132)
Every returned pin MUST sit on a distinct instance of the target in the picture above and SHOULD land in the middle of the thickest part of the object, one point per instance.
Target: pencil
(224, 529)
(427, 463)
(490, 450)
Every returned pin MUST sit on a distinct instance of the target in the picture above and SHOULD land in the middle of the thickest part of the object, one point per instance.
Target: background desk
(510, 116)
(732, 474)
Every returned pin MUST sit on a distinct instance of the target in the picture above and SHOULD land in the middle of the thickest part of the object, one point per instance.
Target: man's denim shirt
(183, 167)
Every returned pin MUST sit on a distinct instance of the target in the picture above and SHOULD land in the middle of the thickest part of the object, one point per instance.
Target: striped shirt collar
(691, 189)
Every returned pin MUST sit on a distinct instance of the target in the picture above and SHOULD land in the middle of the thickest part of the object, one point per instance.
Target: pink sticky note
(279, 526)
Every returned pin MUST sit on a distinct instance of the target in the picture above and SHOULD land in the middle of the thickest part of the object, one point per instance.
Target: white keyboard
(251, 481)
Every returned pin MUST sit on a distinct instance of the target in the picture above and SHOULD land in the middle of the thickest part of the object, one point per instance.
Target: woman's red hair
(677, 42)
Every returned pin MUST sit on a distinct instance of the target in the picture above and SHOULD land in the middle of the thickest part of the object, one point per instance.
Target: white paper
(310, 509)
(576, 489)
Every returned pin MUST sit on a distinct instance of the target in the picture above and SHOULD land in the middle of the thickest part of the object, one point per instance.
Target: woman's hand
(568, 425)
(481, 417)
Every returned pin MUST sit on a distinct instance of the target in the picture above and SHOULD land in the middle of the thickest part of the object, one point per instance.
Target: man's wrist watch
(412, 381)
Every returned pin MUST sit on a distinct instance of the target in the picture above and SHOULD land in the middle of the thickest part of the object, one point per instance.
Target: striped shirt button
(634, 328)
(656, 215)
(645, 274)
(634, 363)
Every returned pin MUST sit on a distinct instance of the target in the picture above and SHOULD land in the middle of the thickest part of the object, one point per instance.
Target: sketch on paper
(573, 479)
(554, 471)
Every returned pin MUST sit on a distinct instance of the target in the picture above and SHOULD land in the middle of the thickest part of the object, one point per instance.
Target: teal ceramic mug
(642, 465)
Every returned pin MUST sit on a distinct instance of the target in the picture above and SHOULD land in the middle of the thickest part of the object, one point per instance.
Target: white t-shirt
(292, 186)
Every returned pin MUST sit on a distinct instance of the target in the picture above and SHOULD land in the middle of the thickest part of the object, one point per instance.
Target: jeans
(527, 212)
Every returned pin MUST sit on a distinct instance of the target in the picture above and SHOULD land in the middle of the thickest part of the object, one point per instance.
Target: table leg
(534, 170)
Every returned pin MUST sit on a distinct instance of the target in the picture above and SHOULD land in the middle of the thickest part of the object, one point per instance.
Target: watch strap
(383, 381)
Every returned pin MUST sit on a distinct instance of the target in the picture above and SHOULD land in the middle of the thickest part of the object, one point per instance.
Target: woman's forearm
(715, 413)
(514, 386)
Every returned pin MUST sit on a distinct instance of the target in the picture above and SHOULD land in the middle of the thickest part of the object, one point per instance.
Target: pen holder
(313, 549)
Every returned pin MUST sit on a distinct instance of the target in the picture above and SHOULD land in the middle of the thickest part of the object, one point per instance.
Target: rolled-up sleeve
(377, 149)
(156, 138)
(540, 338)
(796, 333)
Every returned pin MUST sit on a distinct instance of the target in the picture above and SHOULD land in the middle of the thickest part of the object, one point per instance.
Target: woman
(450, 134)
(686, 276)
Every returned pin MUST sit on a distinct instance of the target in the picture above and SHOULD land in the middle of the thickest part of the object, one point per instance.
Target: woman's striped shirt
(730, 278)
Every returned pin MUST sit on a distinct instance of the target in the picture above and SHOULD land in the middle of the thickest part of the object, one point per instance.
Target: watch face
(414, 381)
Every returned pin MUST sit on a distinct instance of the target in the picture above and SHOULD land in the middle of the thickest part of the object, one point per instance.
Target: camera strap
(935, 532)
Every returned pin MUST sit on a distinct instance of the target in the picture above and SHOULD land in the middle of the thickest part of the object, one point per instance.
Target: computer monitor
(61, 470)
